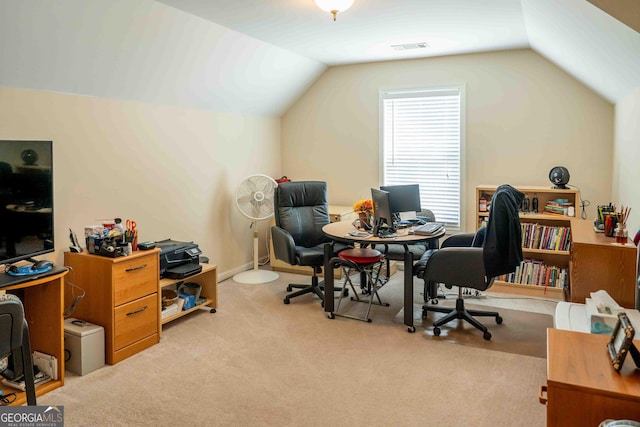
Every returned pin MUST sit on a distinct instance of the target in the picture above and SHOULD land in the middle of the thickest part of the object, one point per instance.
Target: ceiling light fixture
(334, 6)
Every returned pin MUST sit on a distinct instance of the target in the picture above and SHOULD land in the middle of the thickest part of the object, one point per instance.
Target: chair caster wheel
(289, 288)
(434, 301)
(499, 320)
(425, 313)
(436, 331)
(331, 316)
(411, 329)
(213, 310)
(345, 292)
(487, 335)
(368, 320)
(286, 301)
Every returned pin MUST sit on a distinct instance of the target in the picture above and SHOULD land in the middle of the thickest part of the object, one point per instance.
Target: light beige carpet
(521, 332)
(258, 362)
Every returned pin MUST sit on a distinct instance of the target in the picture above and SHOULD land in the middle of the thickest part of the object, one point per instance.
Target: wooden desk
(339, 231)
(582, 387)
(597, 262)
(43, 307)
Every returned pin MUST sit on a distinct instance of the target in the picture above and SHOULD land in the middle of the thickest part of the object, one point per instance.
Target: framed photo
(621, 342)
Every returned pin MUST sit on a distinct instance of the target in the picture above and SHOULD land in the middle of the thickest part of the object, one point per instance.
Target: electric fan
(254, 198)
(559, 176)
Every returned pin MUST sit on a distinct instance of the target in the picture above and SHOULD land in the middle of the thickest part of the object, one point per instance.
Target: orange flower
(365, 205)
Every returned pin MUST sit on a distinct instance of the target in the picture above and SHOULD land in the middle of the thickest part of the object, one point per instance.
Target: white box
(601, 323)
(170, 311)
(83, 346)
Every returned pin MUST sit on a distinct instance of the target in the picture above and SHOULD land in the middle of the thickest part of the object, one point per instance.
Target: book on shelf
(537, 273)
(536, 236)
(557, 207)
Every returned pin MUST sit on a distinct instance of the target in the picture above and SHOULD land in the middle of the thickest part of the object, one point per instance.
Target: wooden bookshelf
(547, 255)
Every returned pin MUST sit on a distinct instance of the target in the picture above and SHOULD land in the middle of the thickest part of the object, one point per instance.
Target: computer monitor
(404, 198)
(382, 214)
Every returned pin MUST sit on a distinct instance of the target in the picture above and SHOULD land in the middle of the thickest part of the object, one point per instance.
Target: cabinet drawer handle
(542, 394)
(140, 267)
(140, 310)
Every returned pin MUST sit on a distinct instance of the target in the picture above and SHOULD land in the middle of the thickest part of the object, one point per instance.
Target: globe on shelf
(29, 157)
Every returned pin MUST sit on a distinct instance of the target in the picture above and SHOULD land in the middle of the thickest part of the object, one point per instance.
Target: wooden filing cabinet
(121, 296)
(582, 388)
(597, 262)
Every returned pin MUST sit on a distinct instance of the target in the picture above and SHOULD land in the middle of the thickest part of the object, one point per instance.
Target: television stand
(43, 299)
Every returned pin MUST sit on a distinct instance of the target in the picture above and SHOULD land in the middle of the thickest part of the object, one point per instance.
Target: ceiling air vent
(408, 46)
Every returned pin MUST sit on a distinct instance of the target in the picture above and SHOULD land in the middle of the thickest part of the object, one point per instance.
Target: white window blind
(422, 133)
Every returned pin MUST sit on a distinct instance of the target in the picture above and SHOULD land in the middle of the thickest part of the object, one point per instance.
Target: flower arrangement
(365, 205)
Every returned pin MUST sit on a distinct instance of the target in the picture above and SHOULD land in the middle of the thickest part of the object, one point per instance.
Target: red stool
(368, 262)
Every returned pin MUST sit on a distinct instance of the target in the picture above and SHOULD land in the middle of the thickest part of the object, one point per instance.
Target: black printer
(178, 259)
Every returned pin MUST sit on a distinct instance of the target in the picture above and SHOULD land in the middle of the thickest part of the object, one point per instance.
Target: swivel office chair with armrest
(395, 252)
(301, 210)
(494, 250)
(14, 340)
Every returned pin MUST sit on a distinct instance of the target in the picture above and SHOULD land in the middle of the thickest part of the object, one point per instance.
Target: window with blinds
(422, 139)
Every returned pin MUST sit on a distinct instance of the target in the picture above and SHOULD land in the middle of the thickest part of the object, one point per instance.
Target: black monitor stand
(382, 229)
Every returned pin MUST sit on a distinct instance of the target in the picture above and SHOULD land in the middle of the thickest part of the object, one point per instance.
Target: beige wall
(523, 116)
(626, 160)
(173, 170)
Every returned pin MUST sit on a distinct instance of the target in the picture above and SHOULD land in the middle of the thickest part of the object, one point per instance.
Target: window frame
(384, 93)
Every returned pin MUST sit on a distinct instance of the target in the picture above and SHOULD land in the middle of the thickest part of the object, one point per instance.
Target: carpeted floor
(521, 332)
(258, 362)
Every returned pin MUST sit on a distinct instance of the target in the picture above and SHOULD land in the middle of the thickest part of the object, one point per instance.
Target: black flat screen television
(404, 198)
(26, 199)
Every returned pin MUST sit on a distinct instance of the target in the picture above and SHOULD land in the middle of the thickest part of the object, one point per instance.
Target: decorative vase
(365, 219)
(620, 233)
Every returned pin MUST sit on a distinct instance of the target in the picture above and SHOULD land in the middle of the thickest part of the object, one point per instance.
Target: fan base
(256, 276)
(560, 187)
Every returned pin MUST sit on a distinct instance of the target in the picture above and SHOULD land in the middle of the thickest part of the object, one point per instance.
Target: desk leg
(408, 291)
(328, 280)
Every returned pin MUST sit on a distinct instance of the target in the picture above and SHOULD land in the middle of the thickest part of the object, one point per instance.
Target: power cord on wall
(76, 298)
(583, 203)
(266, 242)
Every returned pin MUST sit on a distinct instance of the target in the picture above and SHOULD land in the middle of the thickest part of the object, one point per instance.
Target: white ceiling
(586, 42)
(367, 30)
(259, 56)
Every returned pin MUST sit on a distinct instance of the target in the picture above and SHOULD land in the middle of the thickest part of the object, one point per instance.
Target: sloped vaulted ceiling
(145, 51)
(589, 44)
(258, 57)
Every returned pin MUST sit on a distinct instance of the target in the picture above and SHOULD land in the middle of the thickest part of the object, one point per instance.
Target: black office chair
(301, 210)
(14, 341)
(474, 261)
(395, 252)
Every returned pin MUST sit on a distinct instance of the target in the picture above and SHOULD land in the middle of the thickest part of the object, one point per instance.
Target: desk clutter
(185, 296)
(613, 222)
(111, 239)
